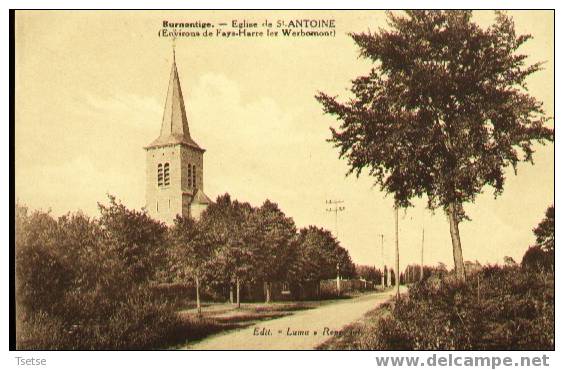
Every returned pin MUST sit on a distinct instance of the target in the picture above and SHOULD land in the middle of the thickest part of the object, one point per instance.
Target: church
(175, 163)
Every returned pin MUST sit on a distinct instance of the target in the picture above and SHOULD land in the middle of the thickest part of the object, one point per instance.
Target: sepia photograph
(328, 180)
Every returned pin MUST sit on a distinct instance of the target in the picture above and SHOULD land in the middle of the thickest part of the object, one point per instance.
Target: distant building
(175, 163)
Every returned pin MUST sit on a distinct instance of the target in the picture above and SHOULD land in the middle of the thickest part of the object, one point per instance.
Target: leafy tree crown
(444, 109)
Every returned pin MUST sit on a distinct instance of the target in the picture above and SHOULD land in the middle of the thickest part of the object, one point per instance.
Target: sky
(90, 92)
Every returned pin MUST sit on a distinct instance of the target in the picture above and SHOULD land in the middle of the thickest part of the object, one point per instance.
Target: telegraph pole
(422, 244)
(383, 263)
(335, 206)
(338, 279)
(397, 255)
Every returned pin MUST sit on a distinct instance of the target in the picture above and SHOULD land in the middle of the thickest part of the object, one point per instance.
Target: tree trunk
(397, 257)
(231, 293)
(456, 246)
(422, 246)
(267, 289)
(238, 294)
(382, 276)
(198, 296)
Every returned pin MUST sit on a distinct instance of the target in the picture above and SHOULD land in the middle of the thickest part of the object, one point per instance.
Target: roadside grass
(223, 318)
(361, 334)
(499, 308)
(218, 318)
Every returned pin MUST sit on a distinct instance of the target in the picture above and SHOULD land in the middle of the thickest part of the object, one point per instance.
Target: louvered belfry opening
(160, 174)
(166, 174)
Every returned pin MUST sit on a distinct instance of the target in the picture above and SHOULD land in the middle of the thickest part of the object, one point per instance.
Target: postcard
(284, 180)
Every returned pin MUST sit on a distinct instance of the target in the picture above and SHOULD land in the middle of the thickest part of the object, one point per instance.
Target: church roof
(174, 129)
(201, 198)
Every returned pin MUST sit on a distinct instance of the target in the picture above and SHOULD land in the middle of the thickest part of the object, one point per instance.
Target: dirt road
(303, 330)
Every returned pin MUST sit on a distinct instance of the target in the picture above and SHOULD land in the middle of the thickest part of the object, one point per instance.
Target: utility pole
(422, 244)
(334, 206)
(338, 279)
(383, 263)
(397, 255)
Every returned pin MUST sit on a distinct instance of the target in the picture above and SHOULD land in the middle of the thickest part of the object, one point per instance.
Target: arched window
(166, 175)
(189, 175)
(194, 176)
(160, 174)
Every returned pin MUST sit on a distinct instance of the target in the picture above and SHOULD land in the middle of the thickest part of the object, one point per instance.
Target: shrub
(39, 330)
(138, 323)
(538, 259)
(497, 309)
(41, 276)
(83, 284)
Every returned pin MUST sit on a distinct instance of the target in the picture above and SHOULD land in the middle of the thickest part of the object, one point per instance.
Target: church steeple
(175, 163)
(174, 128)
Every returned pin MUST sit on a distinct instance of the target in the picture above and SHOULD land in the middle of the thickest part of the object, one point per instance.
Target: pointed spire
(174, 129)
(174, 49)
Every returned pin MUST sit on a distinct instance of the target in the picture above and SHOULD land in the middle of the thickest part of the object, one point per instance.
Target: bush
(137, 323)
(538, 259)
(39, 330)
(497, 309)
(83, 284)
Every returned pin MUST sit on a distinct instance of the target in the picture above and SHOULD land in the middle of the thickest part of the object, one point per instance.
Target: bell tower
(175, 163)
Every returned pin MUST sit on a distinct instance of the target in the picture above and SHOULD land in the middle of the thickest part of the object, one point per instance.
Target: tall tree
(316, 256)
(541, 255)
(443, 111)
(228, 223)
(343, 258)
(544, 232)
(133, 238)
(274, 234)
(191, 252)
(369, 273)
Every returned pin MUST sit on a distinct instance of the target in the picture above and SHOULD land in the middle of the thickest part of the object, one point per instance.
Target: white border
(229, 359)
